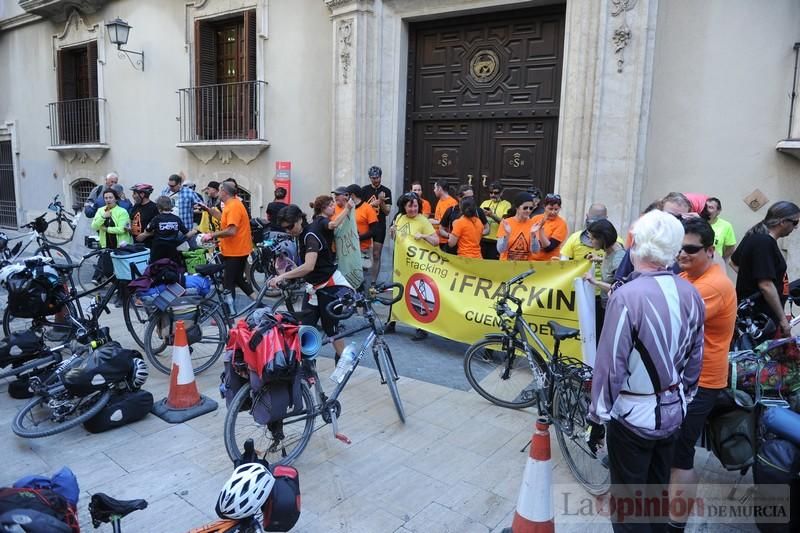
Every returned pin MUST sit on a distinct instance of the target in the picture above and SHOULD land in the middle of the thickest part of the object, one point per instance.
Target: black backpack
(35, 292)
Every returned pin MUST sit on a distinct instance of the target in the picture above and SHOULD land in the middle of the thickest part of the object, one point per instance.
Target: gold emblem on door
(484, 66)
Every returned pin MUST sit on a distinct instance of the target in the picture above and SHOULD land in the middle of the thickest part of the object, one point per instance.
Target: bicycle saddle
(562, 332)
(103, 507)
(210, 269)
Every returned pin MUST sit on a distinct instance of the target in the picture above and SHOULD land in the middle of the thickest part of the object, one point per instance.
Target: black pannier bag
(108, 364)
(123, 408)
(731, 427)
(20, 347)
(282, 509)
(776, 474)
(43, 500)
(35, 292)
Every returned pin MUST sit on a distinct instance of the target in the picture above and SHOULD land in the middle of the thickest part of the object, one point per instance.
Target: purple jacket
(649, 355)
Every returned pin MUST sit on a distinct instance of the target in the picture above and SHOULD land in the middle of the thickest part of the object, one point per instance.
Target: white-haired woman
(648, 361)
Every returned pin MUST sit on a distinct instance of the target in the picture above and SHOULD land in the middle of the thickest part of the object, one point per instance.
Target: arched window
(244, 195)
(81, 190)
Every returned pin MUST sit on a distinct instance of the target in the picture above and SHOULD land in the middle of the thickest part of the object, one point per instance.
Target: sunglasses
(692, 249)
(494, 192)
(527, 208)
(794, 222)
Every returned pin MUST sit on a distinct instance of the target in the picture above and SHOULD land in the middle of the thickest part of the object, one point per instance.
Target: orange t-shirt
(426, 208)
(337, 211)
(442, 206)
(468, 230)
(519, 239)
(555, 228)
(365, 215)
(719, 295)
(240, 244)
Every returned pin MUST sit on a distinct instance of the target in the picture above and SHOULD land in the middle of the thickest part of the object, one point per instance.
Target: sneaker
(419, 335)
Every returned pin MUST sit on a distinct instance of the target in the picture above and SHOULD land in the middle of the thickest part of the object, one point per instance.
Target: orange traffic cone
(184, 401)
(534, 512)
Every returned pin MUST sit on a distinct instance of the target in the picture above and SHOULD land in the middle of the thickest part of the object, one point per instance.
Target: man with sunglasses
(380, 198)
(495, 208)
(696, 259)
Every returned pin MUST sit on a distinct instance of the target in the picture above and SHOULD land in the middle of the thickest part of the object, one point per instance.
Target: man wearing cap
(142, 212)
(380, 198)
(340, 198)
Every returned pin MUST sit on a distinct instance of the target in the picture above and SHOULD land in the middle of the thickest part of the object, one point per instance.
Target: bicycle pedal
(342, 437)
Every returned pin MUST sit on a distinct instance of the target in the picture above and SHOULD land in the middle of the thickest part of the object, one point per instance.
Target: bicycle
(55, 408)
(36, 235)
(212, 319)
(514, 369)
(61, 229)
(284, 441)
(76, 323)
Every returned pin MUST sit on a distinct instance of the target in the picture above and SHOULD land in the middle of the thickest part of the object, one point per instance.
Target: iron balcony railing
(77, 121)
(222, 112)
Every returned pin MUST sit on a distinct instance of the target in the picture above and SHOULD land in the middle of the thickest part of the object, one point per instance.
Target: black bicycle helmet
(374, 171)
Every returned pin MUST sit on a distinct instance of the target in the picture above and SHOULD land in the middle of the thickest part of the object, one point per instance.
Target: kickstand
(340, 436)
(525, 448)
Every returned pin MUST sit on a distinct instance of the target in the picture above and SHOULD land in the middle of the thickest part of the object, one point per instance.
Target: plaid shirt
(184, 201)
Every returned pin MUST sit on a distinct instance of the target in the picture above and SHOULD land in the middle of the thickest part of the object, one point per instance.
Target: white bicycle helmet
(139, 373)
(245, 492)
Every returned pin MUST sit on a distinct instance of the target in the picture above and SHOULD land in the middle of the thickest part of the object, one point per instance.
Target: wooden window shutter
(205, 48)
(67, 84)
(251, 40)
(92, 59)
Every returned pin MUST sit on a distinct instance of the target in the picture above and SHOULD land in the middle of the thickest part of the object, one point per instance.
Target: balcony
(77, 128)
(223, 119)
(58, 10)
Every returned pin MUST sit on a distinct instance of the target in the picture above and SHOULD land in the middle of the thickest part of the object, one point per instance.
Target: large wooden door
(483, 100)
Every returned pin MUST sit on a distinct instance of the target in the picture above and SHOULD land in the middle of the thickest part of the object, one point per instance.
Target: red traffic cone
(534, 512)
(184, 401)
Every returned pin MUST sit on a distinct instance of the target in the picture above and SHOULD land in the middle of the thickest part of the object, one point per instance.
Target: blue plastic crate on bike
(266, 351)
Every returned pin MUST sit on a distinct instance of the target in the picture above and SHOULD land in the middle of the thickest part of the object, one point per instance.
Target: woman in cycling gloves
(319, 267)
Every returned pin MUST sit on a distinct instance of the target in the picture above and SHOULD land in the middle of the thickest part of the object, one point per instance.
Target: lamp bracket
(121, 52)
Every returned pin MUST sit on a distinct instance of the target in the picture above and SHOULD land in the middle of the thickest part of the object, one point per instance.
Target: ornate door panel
(487, 87)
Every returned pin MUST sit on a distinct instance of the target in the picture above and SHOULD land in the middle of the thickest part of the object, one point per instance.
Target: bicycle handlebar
(519, 277)
(389, 287)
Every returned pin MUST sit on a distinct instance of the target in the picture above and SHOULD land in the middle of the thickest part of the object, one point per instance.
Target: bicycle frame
(28, 239)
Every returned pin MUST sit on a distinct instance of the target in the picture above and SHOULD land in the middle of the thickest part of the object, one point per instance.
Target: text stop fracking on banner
(454, 296)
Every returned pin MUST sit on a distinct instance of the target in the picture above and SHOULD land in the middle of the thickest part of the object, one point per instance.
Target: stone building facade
(613, 101)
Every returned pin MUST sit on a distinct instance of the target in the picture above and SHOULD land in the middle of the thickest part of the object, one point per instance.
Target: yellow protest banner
(454, 296)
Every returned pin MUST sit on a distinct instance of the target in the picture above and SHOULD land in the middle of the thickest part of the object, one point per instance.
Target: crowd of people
(666, 308)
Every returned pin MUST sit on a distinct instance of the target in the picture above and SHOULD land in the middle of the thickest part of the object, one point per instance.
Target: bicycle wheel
(213, 335)
(390, 375)
(487, 370)
(136, 316)
(85, 273)
(58, 255)
(59, 231)
(36, 418)
(43, 325)
(570, 409)
(278, 442)
(258, 274)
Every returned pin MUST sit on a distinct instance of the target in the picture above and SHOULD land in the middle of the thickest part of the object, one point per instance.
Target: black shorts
(696, 414)
(380, 232)
(314, 313)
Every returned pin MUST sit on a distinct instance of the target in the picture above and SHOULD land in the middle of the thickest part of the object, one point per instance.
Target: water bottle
(345, 364)
(227, 296)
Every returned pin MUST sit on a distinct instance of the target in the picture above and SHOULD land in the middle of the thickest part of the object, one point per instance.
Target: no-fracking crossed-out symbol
(422, 298)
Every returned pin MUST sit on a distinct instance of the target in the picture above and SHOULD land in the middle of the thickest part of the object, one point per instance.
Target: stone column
(354, 85)
(608, 60)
